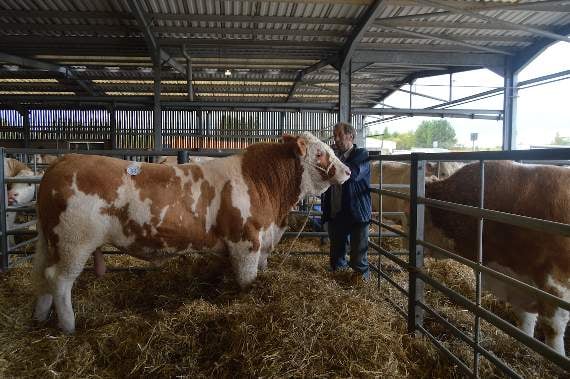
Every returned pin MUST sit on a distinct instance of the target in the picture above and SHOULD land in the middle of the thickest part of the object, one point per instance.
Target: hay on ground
(188, 319)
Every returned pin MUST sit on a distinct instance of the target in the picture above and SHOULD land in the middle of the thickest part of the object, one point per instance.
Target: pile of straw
(188, 319)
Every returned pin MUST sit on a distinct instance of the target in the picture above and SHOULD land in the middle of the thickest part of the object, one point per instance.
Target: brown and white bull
(236, 205)
(539, 259)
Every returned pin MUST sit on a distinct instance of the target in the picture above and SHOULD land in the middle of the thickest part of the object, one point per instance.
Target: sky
(542, 111)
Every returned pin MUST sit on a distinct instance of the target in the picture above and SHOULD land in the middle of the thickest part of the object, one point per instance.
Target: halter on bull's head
(321, 167)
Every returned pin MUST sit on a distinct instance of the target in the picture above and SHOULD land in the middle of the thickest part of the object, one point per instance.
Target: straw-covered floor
(188, 319)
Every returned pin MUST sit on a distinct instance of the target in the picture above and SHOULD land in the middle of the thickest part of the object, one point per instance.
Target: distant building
(377, 145)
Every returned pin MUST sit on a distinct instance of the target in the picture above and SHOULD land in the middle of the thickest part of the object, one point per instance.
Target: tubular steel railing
(418, 277)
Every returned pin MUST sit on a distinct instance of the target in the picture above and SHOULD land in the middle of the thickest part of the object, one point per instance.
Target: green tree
(559, 140)
(435, 130)
(406, 140)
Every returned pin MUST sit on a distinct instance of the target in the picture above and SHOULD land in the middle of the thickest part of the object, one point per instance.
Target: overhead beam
(151, 41)
(33, 63)
(539, 6)
(448, 59)
(455, 41)
(528, 54)
(301, 74)
(395, 21)
(486, 114)
(91, 15)
(474, 14)
(364, 23)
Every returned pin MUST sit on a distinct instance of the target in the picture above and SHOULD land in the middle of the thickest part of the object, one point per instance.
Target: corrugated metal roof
(260, 41)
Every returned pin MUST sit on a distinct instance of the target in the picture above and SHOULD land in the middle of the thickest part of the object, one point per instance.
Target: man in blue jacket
(347, 208)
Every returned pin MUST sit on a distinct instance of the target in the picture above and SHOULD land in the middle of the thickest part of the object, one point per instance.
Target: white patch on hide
(504, 291)
(244, 262)
(138, 210)
(162, 215)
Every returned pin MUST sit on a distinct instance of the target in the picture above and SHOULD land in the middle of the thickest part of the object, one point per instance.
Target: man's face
(342, 141)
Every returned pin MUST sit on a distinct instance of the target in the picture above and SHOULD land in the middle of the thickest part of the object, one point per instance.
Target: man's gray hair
(346, 128)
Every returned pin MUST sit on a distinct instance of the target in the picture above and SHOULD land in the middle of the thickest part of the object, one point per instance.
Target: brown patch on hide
(229, 222)
(272, 173)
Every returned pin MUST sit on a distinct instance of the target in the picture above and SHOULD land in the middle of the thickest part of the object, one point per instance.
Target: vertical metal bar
(477, 326)
(380, 184)
(113, 126)
(157, 115)
(182, 156)
(450, 86)
(26, 123)
(4, 237)
(416, 225)
(509, 106)
(344, 88)
(189, 78)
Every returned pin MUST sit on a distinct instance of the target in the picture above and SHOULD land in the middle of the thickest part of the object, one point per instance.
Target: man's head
(344, 134)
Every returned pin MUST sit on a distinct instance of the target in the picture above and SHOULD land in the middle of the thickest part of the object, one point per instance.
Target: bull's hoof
(42, 318)
(67, 330)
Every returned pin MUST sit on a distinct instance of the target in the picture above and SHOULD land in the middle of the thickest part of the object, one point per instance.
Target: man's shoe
(358, 279)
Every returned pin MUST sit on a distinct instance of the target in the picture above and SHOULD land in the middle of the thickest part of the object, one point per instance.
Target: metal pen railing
(414, 292)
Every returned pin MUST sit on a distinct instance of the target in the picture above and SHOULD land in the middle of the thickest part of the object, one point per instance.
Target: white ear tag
(133, 169)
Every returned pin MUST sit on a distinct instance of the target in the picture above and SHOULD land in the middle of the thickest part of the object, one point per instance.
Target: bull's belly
(159, 252)
(507, 292)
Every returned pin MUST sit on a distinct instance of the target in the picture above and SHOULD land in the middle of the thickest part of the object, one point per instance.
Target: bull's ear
(288, 138)
(301, 146)
(298, 143)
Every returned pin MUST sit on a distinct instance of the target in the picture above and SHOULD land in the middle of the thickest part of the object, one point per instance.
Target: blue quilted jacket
(356, 205)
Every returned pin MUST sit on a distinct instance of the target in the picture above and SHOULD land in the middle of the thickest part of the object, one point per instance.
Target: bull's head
(321, 167)
(21, 193)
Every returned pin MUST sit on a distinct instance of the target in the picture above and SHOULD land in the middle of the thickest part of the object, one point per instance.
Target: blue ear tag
(133, 169)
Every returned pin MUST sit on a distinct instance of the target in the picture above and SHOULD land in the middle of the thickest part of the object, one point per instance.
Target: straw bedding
(188, 319)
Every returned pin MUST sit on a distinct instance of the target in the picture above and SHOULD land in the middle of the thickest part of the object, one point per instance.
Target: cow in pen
(537, 258)
(236, 205)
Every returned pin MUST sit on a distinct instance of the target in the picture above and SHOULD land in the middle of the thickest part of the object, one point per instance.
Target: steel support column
(26, 123)
(509, 106)
(113, 126)
(344, 114)
(157, 114)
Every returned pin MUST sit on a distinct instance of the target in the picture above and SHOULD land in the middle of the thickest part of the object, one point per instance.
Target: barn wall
(219, 129)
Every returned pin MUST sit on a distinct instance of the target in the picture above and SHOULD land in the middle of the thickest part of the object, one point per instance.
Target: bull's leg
(554, 324)
(10, 222)
(44, 297)
(526, 321)
(61, 277)
(244, 263)
(262, 264)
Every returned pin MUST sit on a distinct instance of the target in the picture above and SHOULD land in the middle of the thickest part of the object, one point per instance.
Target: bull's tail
(42, 287)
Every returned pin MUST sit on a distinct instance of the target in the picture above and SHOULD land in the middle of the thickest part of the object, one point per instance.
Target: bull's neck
(276, 173)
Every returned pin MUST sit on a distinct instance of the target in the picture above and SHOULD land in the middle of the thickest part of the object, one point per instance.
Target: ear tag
(133, 169)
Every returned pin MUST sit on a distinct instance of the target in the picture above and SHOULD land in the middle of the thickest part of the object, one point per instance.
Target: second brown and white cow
(236, 205)
(539, 259)
(18, 193)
